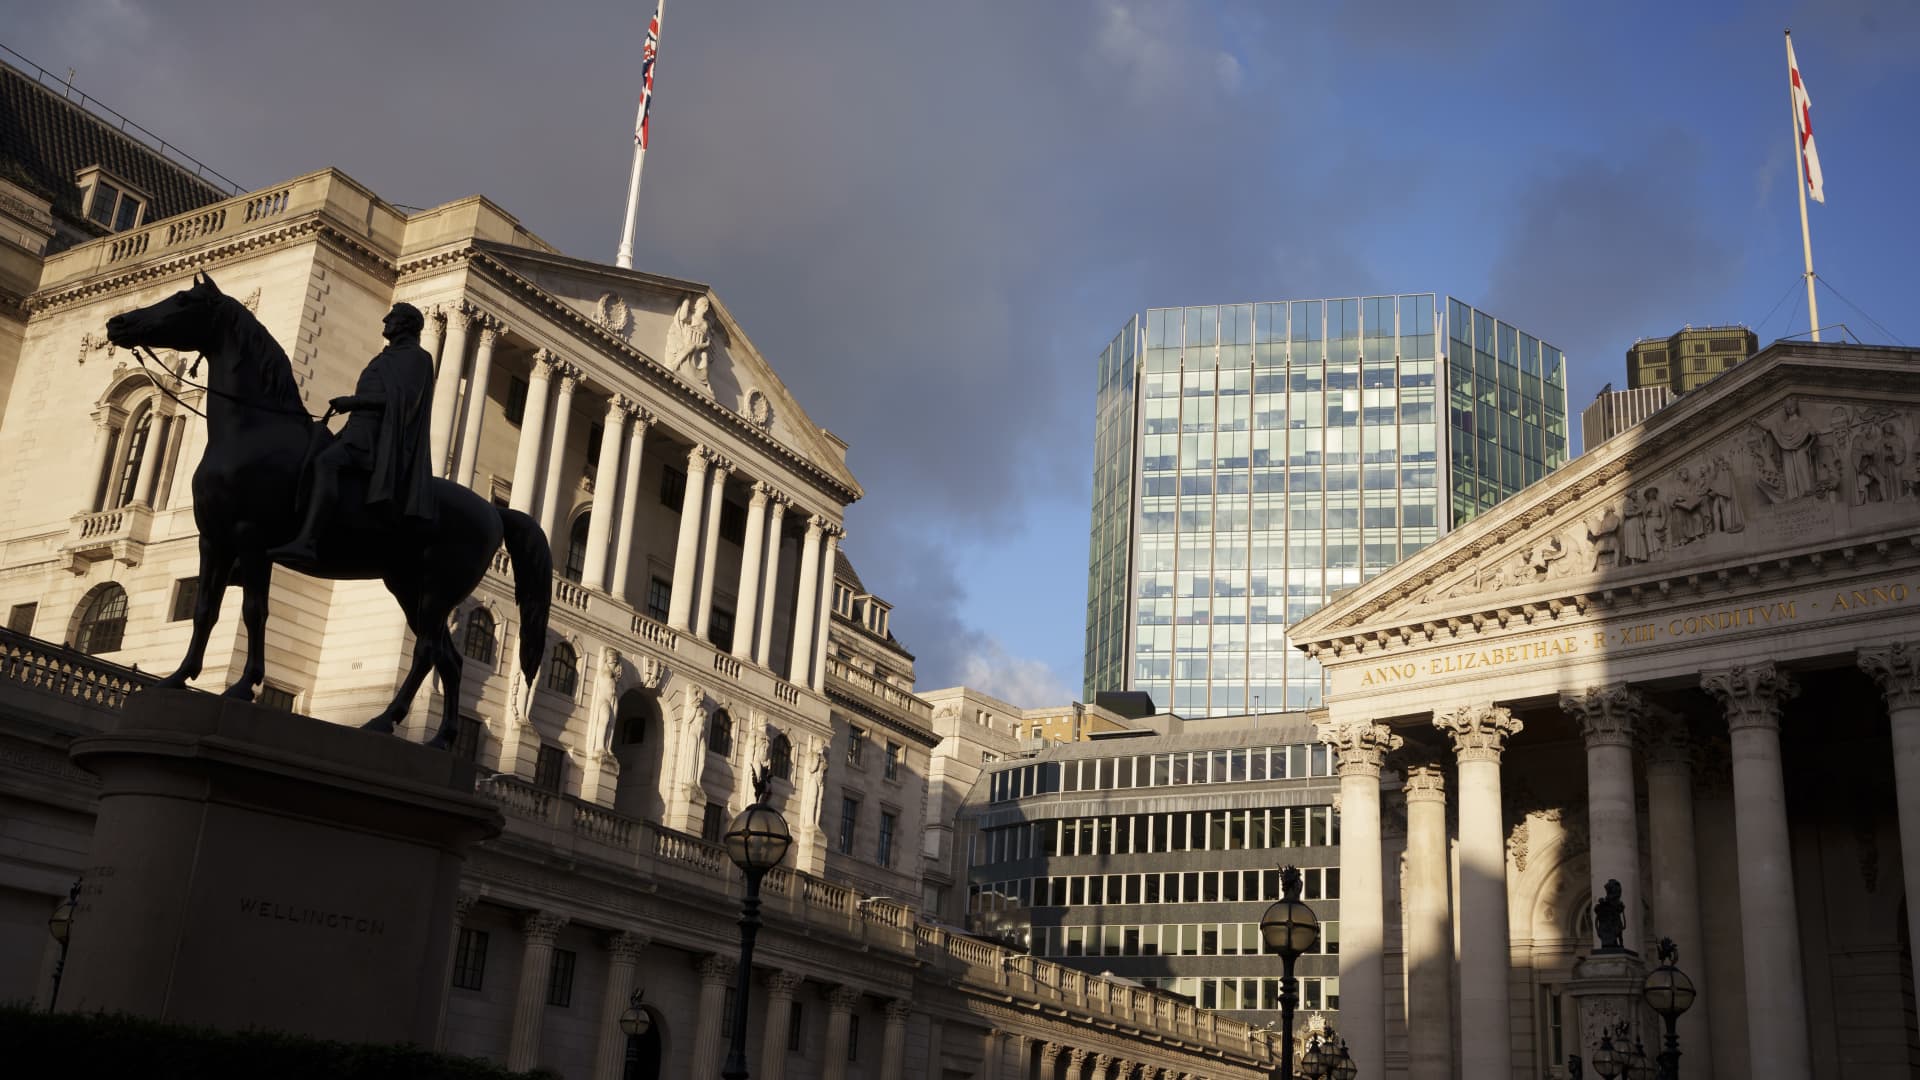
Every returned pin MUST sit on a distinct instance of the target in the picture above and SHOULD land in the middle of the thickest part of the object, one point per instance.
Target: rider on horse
(385, 437)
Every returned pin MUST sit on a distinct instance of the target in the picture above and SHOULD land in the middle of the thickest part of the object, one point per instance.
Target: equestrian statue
(276, 485)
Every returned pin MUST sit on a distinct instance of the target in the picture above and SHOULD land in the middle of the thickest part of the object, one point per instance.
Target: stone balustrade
(866, 683)
(120, 534)
(68, 673)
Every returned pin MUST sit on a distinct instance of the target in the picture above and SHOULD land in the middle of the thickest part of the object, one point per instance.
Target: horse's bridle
(194, 369)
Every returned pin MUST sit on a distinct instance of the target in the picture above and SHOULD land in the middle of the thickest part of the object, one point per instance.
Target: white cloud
(1029, 684)
(1153, 49)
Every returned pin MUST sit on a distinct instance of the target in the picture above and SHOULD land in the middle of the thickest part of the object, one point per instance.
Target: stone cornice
(483, 260)
(880, 716)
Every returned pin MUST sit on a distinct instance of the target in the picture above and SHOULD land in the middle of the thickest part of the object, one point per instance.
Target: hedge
(82, 1047)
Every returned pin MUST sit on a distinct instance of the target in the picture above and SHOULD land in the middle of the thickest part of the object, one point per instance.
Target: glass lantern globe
(635, 1021)
(1289, 926)
(60, 923)
(1666, 987)
(1345, 1069)
(758, 839)
(1607, 1061)
(1315, 1062)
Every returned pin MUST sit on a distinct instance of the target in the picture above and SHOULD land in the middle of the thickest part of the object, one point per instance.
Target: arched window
(720, 733)
(780, 756)
(136, 451)
(103, 619)
(563, 672)
(479, 640)
(576, 549)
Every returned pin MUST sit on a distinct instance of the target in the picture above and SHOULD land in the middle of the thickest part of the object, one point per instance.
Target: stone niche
(255, 869)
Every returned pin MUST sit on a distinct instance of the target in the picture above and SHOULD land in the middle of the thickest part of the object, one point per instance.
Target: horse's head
(181, 321)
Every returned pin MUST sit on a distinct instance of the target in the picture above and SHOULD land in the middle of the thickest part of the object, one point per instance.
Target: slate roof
(843, 570)
(45, 140)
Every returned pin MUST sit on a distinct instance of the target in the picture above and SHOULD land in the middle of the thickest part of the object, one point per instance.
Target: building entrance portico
(1688, 664)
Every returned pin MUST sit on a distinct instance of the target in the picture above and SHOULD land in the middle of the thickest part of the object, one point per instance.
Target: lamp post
(1671, 993)
(1290, 928)
(1316, 1063)
(1607, 1061)
(635, 1022)
(757, 841)
(1345, 1069)
(60, 925)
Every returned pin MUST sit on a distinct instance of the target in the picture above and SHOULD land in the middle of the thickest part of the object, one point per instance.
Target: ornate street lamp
(1317, 1062)
(1671, 993)
(1290, 929)
(1607, 1061)
(1345, 1069)
(757, 841)
(60, 925)
(1638, 1067)
(636, 1020)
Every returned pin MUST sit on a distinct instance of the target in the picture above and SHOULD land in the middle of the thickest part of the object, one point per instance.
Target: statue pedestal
(252, 868)
(1606, 992)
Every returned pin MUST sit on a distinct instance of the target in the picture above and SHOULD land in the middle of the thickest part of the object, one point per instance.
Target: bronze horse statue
(259, 439)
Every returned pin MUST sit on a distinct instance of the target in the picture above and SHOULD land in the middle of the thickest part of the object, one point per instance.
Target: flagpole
(624, 259)
(1799, 185)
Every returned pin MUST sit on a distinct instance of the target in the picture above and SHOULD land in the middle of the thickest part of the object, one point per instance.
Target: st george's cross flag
(1803, 124)
(648, 53)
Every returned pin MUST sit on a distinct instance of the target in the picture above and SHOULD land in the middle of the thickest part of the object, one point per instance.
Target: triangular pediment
(1803, 450)
(684, 329)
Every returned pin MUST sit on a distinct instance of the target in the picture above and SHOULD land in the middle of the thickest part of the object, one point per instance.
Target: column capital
(1360, 745)
(1077, 1057)
(897, 1011)
(459, 311)
(463, 906)
(697, 459)
(843, 998)
(1896, 667)
(1607, 715)
(626, 946)
(643, 417)
(762, 493)
(1426, 781)
(1050, 1053)
(490, 330)
(541, 927)
(570, 375)
(780, 501)
(1669, 744)
(714, 968)
(1103, 1062)
(1479, 732)
(1751, 693)
(721, 463)
(816, 523)
(620, 407)
(782, 983)
(544, 361)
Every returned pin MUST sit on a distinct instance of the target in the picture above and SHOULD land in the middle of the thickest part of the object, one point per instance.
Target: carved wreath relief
(1793, 469)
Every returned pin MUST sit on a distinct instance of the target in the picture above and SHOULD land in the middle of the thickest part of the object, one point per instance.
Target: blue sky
(932, 216)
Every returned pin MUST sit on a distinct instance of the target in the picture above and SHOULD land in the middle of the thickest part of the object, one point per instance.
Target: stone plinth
(252, 868)
(1606, 992)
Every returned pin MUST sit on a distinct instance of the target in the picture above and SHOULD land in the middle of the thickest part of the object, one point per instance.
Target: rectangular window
(516, 406)
(595, 431)
(713, 823)
(273, 697)
(856, 745)
(720, 630)
(733, 523)
(550, 769)
(849, 819)
(853, 1038)
(673, 488)
(20, 618)
(560, 978)
(794, 1015)
(659, 596)
(893, 760)
(186, 591)
(470, 960)
(887, 823)
(466, 739)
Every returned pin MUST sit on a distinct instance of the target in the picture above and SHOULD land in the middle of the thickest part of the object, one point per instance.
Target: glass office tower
(1251, 460)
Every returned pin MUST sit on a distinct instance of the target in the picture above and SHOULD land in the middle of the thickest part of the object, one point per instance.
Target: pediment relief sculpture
(1800, 471)
(613, 315)
(690, 341)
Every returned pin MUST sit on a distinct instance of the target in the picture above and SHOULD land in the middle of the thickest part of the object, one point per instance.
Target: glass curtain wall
(1107, 592)
(1507, 403)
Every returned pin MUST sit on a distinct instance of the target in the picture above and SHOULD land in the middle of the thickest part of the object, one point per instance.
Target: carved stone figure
(431, 547)
(1881, 475)
(1656, 523)
(1633, 530)
(1610, 917)
(608, 697)
(1794, 438)
(1604, 532)
(689, 337)
(1723, 503)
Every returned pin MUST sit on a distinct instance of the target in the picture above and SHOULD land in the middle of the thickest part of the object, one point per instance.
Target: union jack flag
(648, 53)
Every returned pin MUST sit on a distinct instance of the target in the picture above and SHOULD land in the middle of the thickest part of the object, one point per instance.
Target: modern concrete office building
(1688, 359)
(1252, 460)
(1614, 411)
(1151, 854)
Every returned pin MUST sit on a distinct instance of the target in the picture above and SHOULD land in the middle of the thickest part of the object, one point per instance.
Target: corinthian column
(600, 518)
(1676, 884)
(476, 403)
(1896, 667)
(687, 550)
(1607, 716)
(773, 1046)
(746, 619)
(446, 384)
(623, 954)
(1480, 734)
(800, 665)
(710, 552)
(770, 592)
(893, 1041)
(1362, 746)
(556, 483)
(1429, 918)
(840, 1003)
(716, 972)
(533, 431)
(630, 510)
(1769, 921)
(818, 676)
(537, 931)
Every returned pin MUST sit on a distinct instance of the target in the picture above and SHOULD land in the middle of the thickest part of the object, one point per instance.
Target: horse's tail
(532, 585)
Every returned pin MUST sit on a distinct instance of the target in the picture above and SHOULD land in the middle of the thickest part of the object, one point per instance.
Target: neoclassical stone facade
(1689, 663)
